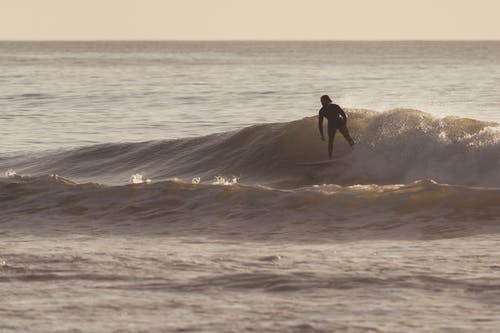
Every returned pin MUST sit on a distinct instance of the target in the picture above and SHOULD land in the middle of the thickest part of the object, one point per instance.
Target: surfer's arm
(343, 115)
(320, 125)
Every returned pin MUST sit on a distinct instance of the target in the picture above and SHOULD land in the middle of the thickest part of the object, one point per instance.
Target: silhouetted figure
(337, 120)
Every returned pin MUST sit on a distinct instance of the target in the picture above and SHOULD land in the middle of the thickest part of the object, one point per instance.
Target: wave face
(393, 147)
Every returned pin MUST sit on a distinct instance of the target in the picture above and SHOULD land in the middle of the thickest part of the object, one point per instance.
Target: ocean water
(58, 95)
(154, 187)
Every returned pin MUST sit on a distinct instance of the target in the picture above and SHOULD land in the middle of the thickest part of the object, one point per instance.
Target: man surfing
(337, 120)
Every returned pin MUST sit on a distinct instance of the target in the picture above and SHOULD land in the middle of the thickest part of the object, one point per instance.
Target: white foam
(220, 180)
(138, 178)
(10, 173)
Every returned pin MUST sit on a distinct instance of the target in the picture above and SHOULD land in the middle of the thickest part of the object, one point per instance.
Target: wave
(422, 209)
(393, 147)
(26, 96)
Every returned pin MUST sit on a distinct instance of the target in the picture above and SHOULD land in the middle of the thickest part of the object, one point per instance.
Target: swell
(397, 146)
(422, 209)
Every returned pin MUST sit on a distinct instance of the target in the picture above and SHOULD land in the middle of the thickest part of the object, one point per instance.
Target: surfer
(337, 120)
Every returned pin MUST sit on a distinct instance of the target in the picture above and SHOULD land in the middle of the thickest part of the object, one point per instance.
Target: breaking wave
(393, 147)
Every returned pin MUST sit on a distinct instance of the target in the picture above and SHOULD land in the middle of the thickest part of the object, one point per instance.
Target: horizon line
(249, 40)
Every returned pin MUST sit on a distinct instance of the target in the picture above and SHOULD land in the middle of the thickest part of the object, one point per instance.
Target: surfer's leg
(347, 136)
(331, 136)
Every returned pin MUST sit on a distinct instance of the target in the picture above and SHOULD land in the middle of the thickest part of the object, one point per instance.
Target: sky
(249, 19)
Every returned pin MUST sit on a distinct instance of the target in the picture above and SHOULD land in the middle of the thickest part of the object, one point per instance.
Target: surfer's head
(325, 100)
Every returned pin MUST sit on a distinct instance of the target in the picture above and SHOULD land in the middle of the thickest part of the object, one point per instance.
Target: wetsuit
(337, 120)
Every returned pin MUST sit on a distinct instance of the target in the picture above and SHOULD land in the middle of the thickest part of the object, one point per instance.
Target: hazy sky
(249, 19)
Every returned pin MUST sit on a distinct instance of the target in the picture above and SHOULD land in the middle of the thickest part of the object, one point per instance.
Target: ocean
(155, 187)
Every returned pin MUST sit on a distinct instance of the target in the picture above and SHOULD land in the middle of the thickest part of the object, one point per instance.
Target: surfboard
(316, 163)
(337, 159)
